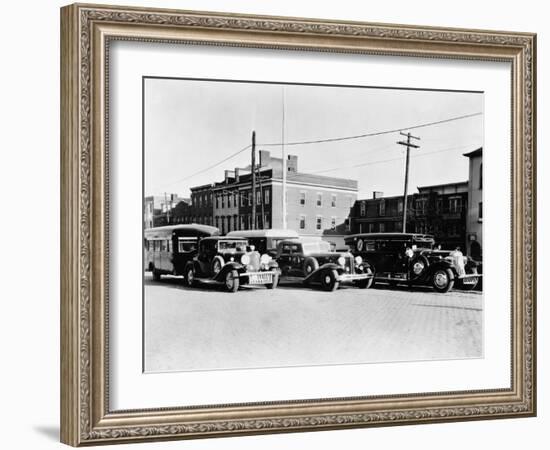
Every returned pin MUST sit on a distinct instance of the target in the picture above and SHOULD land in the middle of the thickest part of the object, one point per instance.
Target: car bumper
(470, 278)
(351, 277)
(258, 278)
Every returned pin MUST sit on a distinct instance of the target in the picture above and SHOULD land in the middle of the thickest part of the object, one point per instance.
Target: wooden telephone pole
(253, 170)
(407, 144)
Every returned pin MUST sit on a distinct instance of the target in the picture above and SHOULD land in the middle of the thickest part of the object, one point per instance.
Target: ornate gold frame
(86, 31)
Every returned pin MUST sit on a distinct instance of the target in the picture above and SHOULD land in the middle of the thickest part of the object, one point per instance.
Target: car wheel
(329, 281)
(442, 280)
(232, 281)
(190, 276)
(275, 282)
(156, 275)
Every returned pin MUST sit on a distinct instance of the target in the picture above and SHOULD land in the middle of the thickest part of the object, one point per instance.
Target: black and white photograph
(295, 225)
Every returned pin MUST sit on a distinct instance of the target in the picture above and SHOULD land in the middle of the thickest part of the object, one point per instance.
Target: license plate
(260, 278)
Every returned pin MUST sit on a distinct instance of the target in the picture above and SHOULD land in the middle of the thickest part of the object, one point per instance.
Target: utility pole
(283, 158)
(253, 167)
(262, 198)
(407, 144)
(167, 209)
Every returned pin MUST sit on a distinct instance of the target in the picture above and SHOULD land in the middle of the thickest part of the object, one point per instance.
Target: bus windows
(186, 246)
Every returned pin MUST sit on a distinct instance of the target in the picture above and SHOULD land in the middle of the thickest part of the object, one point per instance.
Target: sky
(190, 125)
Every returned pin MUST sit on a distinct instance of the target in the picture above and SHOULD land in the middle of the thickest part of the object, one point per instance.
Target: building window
(229, 200)
(382, 227)
(223, 200)
(249, 196)
(333, 201)
(333, 223)
(302, 222)
(421, 206)
(266, 195)
(302, 198)
(348, 224)
(480, 211)
(399, 206)
(371, 228)
(319, 199)
(258, 197)
(382, 208)
(455, 204)
(217, 201)
(319, 224)
(236, 199)
(266, 221)
(363, 209)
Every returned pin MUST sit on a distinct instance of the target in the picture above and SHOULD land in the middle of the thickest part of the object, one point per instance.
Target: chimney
(227, 176)
(377, 194)
(292, 164)
(265, 158)
(237, 174)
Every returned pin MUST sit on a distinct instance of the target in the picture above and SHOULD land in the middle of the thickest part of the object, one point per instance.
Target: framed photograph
(275, 224)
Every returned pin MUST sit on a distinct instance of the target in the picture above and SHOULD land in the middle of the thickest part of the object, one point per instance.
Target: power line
(336, 139)
(206, 169)
(376, 133)
(383, 161)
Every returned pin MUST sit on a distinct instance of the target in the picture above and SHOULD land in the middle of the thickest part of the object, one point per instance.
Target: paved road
(207, 328)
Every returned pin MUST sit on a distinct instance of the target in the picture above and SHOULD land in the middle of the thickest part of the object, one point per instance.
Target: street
(206, 328)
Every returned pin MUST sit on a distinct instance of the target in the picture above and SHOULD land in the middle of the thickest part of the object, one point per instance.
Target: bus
(168, 249)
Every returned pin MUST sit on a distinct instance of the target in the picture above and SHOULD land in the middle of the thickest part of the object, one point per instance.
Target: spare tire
(310, 265)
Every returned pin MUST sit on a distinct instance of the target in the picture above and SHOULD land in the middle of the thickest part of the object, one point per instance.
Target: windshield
(316, 247)
(235, 246)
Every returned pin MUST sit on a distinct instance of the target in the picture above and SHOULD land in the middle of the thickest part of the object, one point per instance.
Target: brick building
(158, 210)
(439, 210)
(315, 205)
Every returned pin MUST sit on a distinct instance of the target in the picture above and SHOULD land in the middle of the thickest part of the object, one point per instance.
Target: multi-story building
(474, 220)
(439, 210)
(315, 205)
(158, 209)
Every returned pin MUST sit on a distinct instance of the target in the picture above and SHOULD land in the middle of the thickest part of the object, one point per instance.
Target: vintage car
(231, 262)
(168, 249)
(411, 258)
(312, 261)
(265, 241)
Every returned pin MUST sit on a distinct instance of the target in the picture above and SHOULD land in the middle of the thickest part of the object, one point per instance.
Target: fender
(439, 265)
(314, 276)
(233, 265)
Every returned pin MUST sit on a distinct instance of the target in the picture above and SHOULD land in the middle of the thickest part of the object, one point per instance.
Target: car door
(205, 256)
(284, 257)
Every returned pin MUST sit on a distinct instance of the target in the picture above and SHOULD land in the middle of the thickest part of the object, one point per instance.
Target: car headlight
(358, 260)
(342, 261)
(245, 259)
(465, 260)
(265, 258)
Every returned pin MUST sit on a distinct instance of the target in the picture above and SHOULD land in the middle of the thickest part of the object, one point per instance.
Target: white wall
(29, 183)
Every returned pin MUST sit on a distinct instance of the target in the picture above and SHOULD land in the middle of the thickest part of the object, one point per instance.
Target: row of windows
(381, 208)
(318, 199)
(319, 223)
(453, 205)
(244, 198)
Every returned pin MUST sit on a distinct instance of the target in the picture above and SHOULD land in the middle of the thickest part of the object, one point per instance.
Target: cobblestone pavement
(205, 328)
